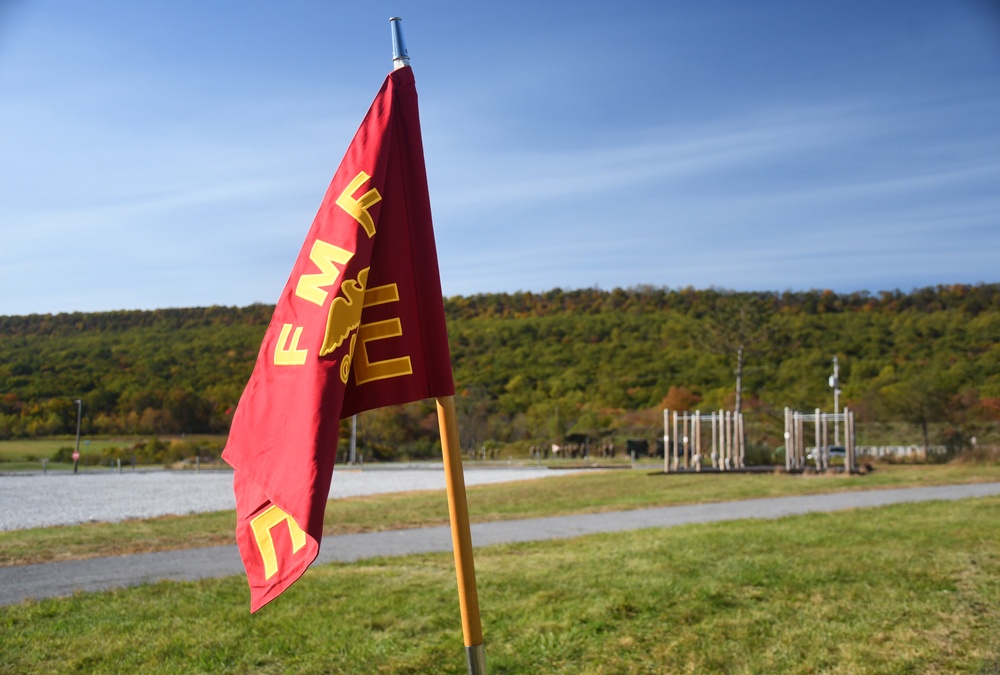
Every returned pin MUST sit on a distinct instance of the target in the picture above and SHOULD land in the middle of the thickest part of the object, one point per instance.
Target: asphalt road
(65, 578)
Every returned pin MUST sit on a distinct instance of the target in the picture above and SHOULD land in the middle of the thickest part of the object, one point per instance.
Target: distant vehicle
(832, 451)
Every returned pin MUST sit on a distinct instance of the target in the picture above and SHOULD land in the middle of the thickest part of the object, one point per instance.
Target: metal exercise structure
(727, 449)
(795, 439)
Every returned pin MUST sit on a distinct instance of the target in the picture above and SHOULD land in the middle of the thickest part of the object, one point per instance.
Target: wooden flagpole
(454, 476)
(461, 536)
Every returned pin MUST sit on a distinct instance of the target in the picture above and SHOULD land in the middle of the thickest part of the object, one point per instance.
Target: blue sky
(173, 154)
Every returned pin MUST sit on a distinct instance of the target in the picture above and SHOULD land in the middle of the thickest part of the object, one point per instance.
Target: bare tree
(739, 330)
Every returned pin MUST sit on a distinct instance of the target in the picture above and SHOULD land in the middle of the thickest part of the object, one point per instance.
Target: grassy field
(901, 589)
(27, 454)
(31, 448)
(559, 495)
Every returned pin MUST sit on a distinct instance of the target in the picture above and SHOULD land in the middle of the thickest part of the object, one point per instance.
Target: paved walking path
(98, 574)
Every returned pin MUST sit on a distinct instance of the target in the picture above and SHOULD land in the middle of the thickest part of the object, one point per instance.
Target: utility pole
(835, 383)
(76, 452)
(353, 459)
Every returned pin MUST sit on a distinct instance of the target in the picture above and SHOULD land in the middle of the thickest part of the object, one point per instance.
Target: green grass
(26, 454)
(559, 495)
(904, 589)
(22, 450)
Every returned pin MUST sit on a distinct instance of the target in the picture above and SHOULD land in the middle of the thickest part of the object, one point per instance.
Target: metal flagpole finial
(400, 57)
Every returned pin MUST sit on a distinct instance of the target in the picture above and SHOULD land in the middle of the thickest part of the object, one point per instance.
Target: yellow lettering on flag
(367, 371)
(345, 312)
(262, 525)
(324, 256)
(381, 295)
(358, 208)
(345, 364)
(287, 353)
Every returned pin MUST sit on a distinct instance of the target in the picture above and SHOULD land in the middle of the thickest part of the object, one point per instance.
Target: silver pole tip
(400, 57)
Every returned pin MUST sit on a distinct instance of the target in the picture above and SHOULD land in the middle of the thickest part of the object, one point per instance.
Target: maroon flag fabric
(359, 325)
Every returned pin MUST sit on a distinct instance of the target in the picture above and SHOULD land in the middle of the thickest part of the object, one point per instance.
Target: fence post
(696, 432)
(788, 466)
(722, 439)
(743, 443)
(819, 452)
(677, 446)
(686, 419)
(848, 442)
(715, 453)
(666, 440)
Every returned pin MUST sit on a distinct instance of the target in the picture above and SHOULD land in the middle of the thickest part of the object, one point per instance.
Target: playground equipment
(728, 445)
(795, 439)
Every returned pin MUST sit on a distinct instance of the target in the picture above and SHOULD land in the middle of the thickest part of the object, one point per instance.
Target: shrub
(63, 454)
(759, 454)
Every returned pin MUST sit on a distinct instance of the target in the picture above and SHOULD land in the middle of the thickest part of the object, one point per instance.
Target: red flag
(360, 324)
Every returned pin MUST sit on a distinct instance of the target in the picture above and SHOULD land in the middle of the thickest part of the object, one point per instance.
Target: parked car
(832, 451)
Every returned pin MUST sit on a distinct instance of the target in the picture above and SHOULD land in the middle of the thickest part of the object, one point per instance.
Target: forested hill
(537, 366)
(972, 300)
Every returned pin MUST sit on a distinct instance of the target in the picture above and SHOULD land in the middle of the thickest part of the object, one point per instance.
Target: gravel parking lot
(38, 500)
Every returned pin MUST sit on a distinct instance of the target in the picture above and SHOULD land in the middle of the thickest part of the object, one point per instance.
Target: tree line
(539, 367)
